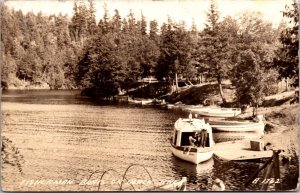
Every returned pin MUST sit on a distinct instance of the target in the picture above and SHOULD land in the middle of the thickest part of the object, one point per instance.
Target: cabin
(185, 128)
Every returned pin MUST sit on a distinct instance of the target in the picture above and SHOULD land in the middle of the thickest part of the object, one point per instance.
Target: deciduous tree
(287, 60)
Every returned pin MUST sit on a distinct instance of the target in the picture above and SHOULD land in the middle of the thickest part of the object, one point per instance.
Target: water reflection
(186, 168)
(199, 176)
(45, 97)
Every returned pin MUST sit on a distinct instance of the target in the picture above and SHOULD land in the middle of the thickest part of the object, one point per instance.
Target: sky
(178, 10)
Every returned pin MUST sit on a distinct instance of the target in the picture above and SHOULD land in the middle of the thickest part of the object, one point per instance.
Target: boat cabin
(186, 128)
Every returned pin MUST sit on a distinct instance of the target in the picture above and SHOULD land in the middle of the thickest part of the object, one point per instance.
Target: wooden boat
(120, 98)
(216, 111)
(170, 106)
(233, 136)
(239, 126)
(181, 146)
(147, 101)
(141, 101)
(132, 101)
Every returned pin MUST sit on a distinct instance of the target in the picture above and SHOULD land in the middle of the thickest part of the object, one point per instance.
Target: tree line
(106, 56)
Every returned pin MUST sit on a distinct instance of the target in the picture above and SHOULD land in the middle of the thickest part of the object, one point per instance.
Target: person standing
(203, 135)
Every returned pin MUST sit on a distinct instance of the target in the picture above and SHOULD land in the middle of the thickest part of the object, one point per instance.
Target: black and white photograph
(149, 95)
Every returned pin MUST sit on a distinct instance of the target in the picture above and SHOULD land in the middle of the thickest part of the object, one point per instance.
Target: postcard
(151, 95)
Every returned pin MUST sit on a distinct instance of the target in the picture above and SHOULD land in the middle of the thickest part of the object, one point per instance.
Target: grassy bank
(197, 94)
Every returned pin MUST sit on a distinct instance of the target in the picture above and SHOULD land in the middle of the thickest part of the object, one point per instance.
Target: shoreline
(279, 133)
(281, 129)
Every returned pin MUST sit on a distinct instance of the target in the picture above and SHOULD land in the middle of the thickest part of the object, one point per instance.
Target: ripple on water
(68, 138)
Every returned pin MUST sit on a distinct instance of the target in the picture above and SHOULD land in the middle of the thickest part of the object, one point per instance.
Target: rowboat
(233, 136)
(141, 101)
(147, 101)
(181, 145)
(132, 101)
(216, 111)
(257, 125)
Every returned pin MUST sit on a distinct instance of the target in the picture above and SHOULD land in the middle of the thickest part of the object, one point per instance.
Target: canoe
(181, 146)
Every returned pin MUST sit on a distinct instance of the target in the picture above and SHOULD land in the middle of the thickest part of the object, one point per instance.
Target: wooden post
(267, 175)
(276, 169)
(201, 78)
(176, 81)
(254, 175)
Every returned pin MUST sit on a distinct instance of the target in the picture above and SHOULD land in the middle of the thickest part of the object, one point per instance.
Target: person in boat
(193, 140)
(203, 137)
(198, 138)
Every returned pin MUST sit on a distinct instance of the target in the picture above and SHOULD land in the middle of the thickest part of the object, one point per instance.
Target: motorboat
(181, 145)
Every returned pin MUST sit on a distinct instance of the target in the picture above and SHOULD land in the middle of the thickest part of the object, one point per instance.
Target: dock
(239, 150)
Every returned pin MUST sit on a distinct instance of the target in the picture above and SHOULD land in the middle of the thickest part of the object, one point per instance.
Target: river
(64, 136)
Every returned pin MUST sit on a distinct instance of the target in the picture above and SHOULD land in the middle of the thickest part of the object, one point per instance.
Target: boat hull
(191, 156)
(147, 102)
(215, 112)
(249, 127)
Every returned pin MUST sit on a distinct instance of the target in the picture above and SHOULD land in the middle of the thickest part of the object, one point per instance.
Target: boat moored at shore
(257, 125)
(216, 111)
(181, 146)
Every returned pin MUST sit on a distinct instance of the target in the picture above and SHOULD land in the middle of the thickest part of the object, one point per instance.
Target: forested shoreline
(105, 57)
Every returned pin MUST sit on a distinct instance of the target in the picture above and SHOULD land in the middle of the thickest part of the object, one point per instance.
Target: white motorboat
(181, 146)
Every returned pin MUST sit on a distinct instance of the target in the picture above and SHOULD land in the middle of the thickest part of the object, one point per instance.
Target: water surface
(63, 135)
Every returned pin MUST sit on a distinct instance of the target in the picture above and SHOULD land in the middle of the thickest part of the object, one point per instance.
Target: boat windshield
(201, 138)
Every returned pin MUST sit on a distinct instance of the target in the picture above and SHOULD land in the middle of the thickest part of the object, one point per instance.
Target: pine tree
(213, 48)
